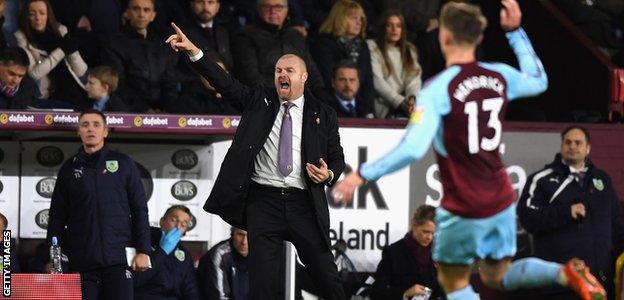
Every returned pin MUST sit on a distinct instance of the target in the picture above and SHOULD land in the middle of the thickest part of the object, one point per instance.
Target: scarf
(421, 253)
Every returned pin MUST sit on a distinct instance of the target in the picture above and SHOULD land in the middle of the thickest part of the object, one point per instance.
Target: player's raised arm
(532, 79)
(422, 127)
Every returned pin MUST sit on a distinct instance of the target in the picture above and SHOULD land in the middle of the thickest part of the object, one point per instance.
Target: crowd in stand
(110, 55)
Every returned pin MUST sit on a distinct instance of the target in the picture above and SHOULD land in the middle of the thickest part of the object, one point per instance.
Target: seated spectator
(15, 265)
(145, 64)
(197, 96)
(101, 86)
(347, 99)
(406, 267)
(396, 72)
(257, 47)
(206, 32)
(172, 275)
(17, 89)
(90, 21)
(55, 63)
(316, 11)
(222, 271)
(342, 38)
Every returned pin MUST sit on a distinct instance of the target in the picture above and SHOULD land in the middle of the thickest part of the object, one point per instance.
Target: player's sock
(466, 293)
(531, 272)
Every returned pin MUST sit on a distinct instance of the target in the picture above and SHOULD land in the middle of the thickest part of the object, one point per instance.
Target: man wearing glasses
(172, 275)
(257, 47)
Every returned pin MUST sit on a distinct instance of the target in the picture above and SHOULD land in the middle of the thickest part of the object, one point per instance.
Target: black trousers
(110, 283)
(275, 215)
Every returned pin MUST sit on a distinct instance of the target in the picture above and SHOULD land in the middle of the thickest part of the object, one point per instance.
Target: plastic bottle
(55, 257)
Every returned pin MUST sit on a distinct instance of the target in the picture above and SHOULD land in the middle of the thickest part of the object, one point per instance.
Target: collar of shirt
(344, 102)
(583, 169)
(99, 105)
(206, 25)
(298, 103)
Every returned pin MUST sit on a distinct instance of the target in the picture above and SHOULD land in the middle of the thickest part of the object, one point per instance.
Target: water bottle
(55, 257)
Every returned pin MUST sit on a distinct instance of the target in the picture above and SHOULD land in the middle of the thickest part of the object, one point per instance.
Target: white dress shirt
(266, 170)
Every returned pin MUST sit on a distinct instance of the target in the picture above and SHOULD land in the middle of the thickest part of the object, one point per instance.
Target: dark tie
(285, 142)
(351, 109)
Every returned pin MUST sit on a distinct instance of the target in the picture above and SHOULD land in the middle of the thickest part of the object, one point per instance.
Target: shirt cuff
(331, 176)
(197, 56)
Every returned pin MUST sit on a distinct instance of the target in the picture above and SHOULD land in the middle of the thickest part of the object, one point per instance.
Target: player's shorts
(461, 240)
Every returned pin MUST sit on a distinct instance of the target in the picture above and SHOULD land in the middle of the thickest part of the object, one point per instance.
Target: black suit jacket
(218, 42)
(259, 106)
(398, 270)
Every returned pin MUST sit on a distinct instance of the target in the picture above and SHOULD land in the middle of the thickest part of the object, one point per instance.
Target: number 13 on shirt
(475, 141)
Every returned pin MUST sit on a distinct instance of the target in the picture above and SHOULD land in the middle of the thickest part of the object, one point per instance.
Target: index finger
(177, 29)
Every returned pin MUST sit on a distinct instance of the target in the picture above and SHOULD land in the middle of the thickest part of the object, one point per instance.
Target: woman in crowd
(396, 72)
(342, 37)
(55, 62)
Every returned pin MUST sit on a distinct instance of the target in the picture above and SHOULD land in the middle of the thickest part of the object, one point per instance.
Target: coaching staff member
(99, 201)
(271, 183)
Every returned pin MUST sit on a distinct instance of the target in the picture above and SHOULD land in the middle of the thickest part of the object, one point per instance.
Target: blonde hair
(106, 75)
(336, 22)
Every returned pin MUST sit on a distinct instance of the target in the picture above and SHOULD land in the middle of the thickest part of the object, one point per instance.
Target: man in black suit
(348, 101)
(262, 186)
(206, 32)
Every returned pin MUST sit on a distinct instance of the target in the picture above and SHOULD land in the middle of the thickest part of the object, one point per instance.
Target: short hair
(4, 220)
(182, 208)
(336, 22)
(260, 2)
(581, 128)
(465, 21)
(344, 64)
(106, 75)
(233, 229)
(95, 112)
(15, 55)
(423, 214)
(130, 2)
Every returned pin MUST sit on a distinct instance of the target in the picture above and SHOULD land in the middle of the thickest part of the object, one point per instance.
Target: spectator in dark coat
(143, 61)
(93, 22)
(206, 31)
(17, 89)
(172, 275)
(406, 267)
(571, 209)
(342, 38)
(316, 11)
(347, 101)
(256, 48)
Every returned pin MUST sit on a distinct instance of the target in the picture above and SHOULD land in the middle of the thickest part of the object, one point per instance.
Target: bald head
(295, 58)
(290, 76)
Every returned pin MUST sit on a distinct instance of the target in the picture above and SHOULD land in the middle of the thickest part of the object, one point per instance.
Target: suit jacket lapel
(309, 128)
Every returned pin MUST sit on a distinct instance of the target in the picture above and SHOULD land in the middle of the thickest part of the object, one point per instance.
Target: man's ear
(304, 77)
